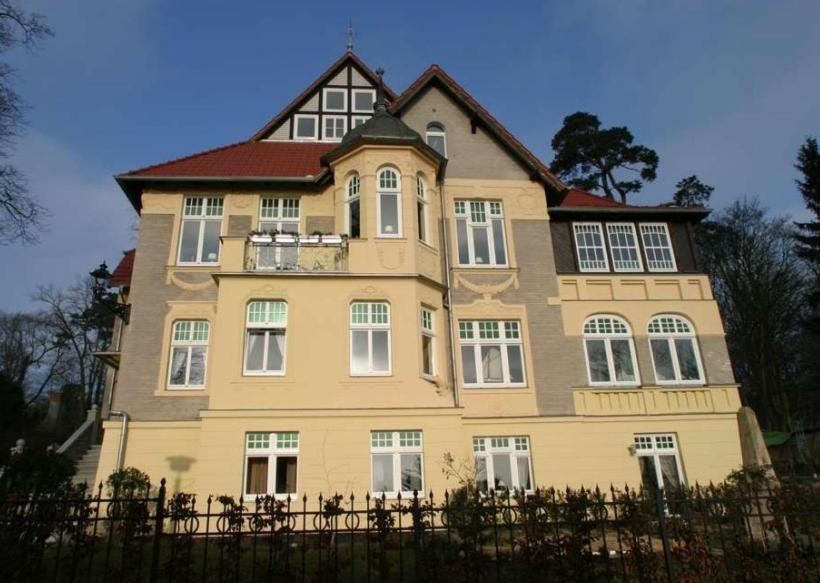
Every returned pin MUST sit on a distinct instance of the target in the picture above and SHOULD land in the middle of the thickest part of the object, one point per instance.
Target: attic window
(363, 100)
(436, 138)
(335, 99)
(306, 127)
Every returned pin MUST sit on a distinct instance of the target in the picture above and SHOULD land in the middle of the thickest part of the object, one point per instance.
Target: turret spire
(381, 105)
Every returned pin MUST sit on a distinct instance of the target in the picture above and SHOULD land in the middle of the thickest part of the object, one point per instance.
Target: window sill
(193, 266)
(181, 392)
(391, 237)
(496, 389)
(263, 374)
(486, 268)
(370, 375)
(614, 386)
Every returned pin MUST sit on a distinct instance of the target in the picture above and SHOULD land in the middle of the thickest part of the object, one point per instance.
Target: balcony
(295, 253)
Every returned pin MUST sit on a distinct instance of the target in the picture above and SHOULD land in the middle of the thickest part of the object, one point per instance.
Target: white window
(396, 463)
(428, 343)
(657, 246)
(278, 216)
(480, 233)
(660, 461)
(335, 99)
(358, 120)
(189, 354)
(623, 244)
(201, 228)
(266, 327)
(492, 354)
(335, 127)
(589, 245)
(306, 127)
(436, 138)
(675, 355)
(502, 464)
(421, 208)
(610, 351)
(388, 184)
(363, 100)
(369, 338)
(353, 215)
(271, 461)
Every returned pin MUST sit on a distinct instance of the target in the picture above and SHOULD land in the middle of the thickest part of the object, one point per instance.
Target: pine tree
(808, 163)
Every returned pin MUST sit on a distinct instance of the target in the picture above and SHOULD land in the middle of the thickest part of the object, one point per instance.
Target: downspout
(450, 336)
(123, 432)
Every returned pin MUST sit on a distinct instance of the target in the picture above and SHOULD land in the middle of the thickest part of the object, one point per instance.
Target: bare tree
(84, 327)
(21, 216)
(760, 285)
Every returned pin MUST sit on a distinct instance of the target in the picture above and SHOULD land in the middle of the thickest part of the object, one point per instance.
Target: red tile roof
(577, 198)
(245, 160)
(122, 273)
(434, 71)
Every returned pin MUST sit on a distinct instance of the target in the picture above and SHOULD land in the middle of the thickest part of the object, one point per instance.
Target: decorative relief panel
(489, 287)
(656, 401)
(634, 288)
(189, 281)
(390, 257)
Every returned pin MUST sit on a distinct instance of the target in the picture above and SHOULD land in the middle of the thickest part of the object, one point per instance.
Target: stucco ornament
(487, 290)
(391, 257)
(179, 281)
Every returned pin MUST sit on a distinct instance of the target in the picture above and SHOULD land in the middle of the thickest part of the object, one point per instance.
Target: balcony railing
(296, 253)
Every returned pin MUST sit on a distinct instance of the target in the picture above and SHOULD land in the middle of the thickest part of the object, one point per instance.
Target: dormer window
(335, 100)
(363, 100)
(306, 127)
(436, 138)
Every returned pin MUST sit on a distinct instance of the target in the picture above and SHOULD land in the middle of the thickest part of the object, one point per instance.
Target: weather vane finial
(350, 36)
(380, 106)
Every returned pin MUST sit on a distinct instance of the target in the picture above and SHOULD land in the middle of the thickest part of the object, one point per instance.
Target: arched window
(388, 186)
(674, 350)
(353, 211)
(421, 207)
(610, 351)
(436, 138)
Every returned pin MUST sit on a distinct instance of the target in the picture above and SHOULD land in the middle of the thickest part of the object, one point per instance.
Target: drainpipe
(450, 337)
(123, 432)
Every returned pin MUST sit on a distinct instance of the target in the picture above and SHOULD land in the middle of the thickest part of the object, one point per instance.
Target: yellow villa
(374, 280)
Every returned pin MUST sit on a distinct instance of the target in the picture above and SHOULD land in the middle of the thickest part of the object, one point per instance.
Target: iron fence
(714, 533)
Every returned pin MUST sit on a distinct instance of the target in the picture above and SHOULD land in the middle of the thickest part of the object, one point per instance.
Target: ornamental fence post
(660, 507)
(159, 516)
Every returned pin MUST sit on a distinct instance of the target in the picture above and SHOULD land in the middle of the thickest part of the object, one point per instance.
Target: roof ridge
(182, 158)
(315, 85)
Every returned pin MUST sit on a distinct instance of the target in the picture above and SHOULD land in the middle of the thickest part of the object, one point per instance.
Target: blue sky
(727, 90)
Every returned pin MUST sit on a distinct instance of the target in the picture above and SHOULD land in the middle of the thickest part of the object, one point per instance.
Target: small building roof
(122, 273)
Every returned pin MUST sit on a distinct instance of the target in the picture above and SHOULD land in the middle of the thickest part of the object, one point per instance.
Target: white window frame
(396, 449)
(680, 331)
(648, 229)
(421, 205)
(327, 90)
(437, 133)
(585, 265)
(612, 229)
(190, 343)
(266, 326)
(371, 92)
(316, 128)
(202, 217)
(427, 322)
(272, 452)
(608, 337)
(516, 447)
(328, 118)
(655, 445)
(351, 197)
(388, 191)
(504, 340)
(493, 209)
(371, 327)
(357, 118)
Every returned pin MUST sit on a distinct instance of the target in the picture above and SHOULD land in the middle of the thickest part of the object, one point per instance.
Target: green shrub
(32, 470)
(127, 481)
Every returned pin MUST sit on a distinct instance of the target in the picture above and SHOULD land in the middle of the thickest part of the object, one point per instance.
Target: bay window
(353, 215)
(492, 354)
(396, 462)
(480, 233)
(389, 203)
(674, 349)
(610, 351)
(200, 230)
(428, 343)
(189, 354)
(266, 327)
(271, 461)
(421, 208)
(502, 464)
(370, 338)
